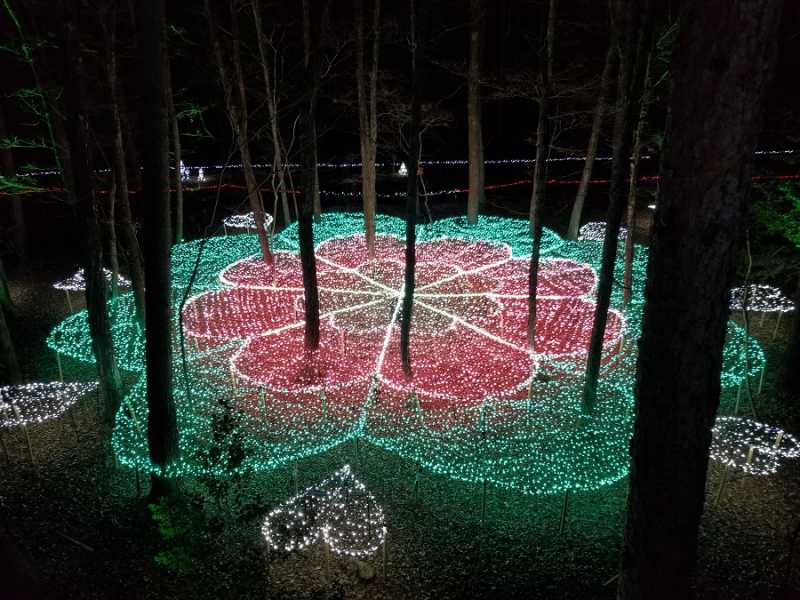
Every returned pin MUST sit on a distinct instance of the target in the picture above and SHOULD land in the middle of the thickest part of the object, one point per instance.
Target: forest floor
(87, 532)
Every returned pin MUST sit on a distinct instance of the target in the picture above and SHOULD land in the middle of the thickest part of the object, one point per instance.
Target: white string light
(246, 221)
(32, 403)
(77, 281)
(760, 298)
(339, 510)
(596, 231)
(752, 447)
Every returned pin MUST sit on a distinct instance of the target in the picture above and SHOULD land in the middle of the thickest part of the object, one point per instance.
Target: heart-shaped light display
(339, 511)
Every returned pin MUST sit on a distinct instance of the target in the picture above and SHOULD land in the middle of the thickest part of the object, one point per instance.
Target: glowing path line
(462, 273)
(273, 288)
(388, 337)
(359, 274)
(467, 324)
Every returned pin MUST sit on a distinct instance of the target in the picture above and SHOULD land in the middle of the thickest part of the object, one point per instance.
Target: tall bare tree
(278, 164)
(223, 21)
(418, 32)
(724, 51)
(635, 29)
(476, 196)
(594, 137)
(177, 160)
(8, 169)
(8, 355)
(87, 207)
(368, 115)
(162, 430)
(544, 133)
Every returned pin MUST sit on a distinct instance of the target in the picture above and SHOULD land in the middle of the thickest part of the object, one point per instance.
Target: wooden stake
(385, 554)
(295, 476)
(777, 326)
(138, 484)
(69, 302)
(563, 512)
(483, 503)
(60, 370)
(761, 378)
(763, 316)
(30, 448)
(722, 483)
(5, 448)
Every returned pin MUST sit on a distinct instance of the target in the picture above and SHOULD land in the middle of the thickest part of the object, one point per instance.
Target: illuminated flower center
(469, 319)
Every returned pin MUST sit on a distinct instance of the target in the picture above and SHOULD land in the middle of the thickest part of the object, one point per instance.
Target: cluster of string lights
(339, 511)
(77, 281)
(246, 221)
(596, 231)
(32, 403)
(480, 407)
(752, 447)
(762, 298)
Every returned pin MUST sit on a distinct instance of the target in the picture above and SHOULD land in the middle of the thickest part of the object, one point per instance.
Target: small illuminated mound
(32, 403)
(596, 232)
(760, 298)
(77, 281)
(338, 511)
(752, 447)
(246, 221)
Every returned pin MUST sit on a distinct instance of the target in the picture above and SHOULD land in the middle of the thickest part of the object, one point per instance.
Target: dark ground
(88, 534)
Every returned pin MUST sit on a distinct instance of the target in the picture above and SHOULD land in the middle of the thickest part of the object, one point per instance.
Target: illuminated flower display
(469, 326)
(479, 407)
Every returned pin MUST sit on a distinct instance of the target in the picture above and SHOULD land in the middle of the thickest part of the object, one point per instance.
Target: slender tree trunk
(272, 107)
(162, 421)
(594, 138)
(236, 104)
(308, 143)
(636, 151)
(5, 293)
(176, 154)
(475, 198)
(308, 44)
(418, 31)
(87, 207)
(127, 230)
(9, 169)
(109, 216)
(791, 374)
(635, 23)
(8, 357)
(543, 140)
(725, 51)
(368, 117)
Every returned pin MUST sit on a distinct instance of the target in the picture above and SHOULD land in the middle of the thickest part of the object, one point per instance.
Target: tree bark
(236, 104)
(417, 56)
(476, 195)
(635, 26)
(162, 422)
(636, 150)
(278, 168)
(127, 230)
(8, 355)
(543, 140)
(724, 51)
(87, 207)
(9, 169)
(368, 116)
(311, 37)
(594, 139)
(176, 153)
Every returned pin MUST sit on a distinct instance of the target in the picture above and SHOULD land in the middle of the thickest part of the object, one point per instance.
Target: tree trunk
(127, 231)
(87, 207)
(176, 154)
(723, 51)
(109, 216)
(5, 293)
(368, 117)
(236, 104)
(476, 196)
(791, 374)
(417, 55)
(636, 150)
(543, 140)
(594, 139)
(272, 107)
(635, 26)
(308, 143)
(19, 233)
(8, 356)
(162, 422)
